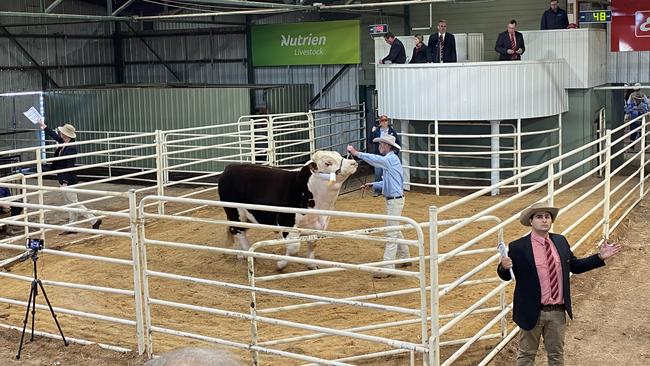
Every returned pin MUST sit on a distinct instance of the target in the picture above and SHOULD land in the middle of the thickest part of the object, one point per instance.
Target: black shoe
(97, 224)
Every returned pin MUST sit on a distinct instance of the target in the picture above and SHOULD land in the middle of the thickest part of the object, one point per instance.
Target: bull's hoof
(312, 267)
(282, 265)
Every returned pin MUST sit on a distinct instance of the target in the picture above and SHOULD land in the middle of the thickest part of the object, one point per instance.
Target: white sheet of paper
(33, 115)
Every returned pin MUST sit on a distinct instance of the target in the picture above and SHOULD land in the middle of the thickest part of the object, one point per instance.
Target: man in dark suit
(541, 262)
(554, 18)
(510, 44)
(442, 45)
(397, 54)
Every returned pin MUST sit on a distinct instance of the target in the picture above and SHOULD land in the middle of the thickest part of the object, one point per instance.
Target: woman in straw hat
(67, 134)
(392, 188)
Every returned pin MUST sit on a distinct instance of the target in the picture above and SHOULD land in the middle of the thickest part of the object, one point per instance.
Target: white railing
(462, 158)
(597, 206)
(609, 200)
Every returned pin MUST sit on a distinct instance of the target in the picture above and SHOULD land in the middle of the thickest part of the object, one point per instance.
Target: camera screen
(35, 244)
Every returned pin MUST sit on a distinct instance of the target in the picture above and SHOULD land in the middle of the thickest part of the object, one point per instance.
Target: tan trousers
(394, 207)
(71, 198)
(551, 325)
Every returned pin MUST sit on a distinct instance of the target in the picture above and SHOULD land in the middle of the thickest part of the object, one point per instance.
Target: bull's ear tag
(332, 178)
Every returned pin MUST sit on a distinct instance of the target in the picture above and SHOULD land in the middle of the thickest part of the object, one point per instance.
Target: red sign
(630, 25)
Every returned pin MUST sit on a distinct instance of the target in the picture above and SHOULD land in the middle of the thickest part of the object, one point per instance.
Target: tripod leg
(31, 339)
(29, 304)
(40, 284)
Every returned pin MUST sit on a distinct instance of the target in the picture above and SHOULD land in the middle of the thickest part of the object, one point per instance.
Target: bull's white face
(330, 161)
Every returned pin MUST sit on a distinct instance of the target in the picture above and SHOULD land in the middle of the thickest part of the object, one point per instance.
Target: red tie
(441, 45)
(513, 45)
(552, 271)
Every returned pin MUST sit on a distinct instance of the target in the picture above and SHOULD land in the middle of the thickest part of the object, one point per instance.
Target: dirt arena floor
(222, 267)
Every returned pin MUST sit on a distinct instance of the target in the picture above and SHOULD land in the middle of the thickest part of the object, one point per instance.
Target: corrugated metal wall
(627, 67)
(288, 98)
(91, 45)
(147, 110)
(344, 92)
(583, 49)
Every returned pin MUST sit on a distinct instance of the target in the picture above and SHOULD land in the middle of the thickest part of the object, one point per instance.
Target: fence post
(270, 153)
(39, 180)
(23, 181)
(253, 308)
(436, 153)
(312, 133)
(559, 143)
(642, 171)
(434, 340)
(142, 256)
(550, 187)
(606, 189)
(160, 167)
(495, 157)
(519, 153)
(136, 255)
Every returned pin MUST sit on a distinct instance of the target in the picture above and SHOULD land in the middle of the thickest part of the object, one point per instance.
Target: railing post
(253, 309)
(312, 133)
(270, 153)
(519, 153)
(642, 170)
(108, 147)
(495, 157)
(550, 187)
(136, 256)
(606, 189)
(434, 340)
(23, 181)
(142, 257)
(160, 167)
(559, 143)
(39, 181)
(436, 154)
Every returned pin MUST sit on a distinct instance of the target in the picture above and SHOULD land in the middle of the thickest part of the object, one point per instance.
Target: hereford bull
(308, 187)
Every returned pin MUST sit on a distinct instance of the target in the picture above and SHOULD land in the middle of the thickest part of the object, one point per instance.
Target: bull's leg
(311, 245)
(240, 240)
(292, 250)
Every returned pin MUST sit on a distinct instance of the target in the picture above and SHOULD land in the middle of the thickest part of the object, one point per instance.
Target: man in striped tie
(541, 262)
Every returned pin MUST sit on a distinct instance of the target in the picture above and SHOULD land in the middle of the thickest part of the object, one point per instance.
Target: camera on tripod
(35, 244)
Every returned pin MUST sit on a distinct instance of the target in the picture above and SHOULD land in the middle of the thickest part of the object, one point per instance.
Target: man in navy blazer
(448, 50)
(507, 50)
(541, 262)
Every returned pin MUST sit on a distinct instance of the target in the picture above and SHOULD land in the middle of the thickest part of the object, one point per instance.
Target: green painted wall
(487, 17)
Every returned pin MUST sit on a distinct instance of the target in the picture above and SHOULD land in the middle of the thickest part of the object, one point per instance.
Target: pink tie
(552, 271)
(441, 45)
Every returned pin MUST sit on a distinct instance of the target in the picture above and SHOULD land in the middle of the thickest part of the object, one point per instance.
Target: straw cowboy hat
(388, 139)
(637, 86)
(68, 130)
(524, 217)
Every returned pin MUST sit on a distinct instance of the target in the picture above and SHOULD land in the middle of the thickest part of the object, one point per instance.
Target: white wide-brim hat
(388, 139)
(524, 217)
(68, 130)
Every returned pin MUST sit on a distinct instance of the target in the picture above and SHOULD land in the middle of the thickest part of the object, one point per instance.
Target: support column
(495, 161)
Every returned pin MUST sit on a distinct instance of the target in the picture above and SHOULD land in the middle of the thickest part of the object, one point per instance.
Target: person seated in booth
(397, 54)
(554, 18)
(419, 51)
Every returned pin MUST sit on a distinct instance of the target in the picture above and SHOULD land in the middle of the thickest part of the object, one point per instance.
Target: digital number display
(378, 28)
(596, 16)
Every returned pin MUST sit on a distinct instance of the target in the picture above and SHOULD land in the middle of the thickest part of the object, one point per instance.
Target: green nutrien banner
(316, 43)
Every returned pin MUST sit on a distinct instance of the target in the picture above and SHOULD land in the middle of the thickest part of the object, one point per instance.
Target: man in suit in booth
(510, 44)
(442, 45)
(541, 262)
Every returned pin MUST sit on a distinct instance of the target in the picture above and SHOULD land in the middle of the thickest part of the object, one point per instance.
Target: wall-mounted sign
(630, 27)
(595, 16)
(314, 43)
